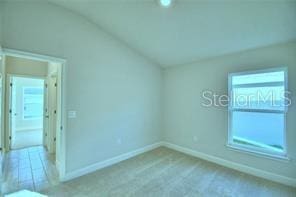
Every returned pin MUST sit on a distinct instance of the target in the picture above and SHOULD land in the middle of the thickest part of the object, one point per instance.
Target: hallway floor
(30, 168)
(24, 139)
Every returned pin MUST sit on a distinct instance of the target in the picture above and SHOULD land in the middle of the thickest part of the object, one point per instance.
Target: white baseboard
(57, 165)
(236, 166)
(233, 165)
(109, 162)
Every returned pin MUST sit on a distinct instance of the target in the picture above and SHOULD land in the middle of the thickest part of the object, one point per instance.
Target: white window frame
(23, 114)
(250, 149)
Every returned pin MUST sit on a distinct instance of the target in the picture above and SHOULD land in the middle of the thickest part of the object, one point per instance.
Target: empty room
(148, 98)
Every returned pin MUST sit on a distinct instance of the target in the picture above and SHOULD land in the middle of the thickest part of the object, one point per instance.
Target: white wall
(22, 66)
(185, 117)
(115, 92)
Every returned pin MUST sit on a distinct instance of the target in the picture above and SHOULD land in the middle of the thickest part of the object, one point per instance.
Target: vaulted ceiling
(191, 30)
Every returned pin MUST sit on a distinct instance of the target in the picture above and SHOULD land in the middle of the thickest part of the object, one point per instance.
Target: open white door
(12, 112)
(52, 112)
(46, 117)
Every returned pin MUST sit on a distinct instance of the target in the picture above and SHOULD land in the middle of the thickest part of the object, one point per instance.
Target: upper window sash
(273, 74)
(278, 80)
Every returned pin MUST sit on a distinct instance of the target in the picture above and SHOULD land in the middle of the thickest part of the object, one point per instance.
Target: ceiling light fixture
(165, 3)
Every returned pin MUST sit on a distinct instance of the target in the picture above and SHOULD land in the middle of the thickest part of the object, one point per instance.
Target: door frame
(52, 112)
(61, 151)
(2, 104)
(9, 106)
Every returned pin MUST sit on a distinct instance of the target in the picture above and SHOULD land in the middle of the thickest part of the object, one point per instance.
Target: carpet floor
(165, 172)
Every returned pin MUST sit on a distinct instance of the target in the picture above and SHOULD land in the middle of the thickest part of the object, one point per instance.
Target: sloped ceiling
(191, 30)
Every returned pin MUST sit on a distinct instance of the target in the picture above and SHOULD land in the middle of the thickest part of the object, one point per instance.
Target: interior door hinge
(10, 111)
(54, 139)
(46, 85)
(9, 137)
(61, 127)
(10, 84)
(55, 85)
(55, 111)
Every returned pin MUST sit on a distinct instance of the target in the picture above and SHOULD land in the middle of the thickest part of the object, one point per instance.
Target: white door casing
(45, 115)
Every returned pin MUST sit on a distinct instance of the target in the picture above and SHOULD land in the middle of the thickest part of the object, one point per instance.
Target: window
(257, 111)
(32, 102)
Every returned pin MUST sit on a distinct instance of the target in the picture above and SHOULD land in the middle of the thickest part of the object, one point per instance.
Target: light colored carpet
(24, 139)
(164, 172)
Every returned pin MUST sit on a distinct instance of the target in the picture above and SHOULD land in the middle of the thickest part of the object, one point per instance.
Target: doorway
(33, 141)
(26, 112)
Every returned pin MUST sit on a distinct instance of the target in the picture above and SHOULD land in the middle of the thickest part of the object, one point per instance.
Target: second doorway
(26, 112)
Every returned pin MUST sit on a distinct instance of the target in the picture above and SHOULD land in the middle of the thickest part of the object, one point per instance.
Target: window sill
(276, 157)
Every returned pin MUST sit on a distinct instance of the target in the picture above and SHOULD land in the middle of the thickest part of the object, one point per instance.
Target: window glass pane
(259, 78)
(263, 130)
(33, 91)
(259, 98)
(33, 102)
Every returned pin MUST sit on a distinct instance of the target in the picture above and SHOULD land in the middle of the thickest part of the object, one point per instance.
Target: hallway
(24, 139)
(31, 168)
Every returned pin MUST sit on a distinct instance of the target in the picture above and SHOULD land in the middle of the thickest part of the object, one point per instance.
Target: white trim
(231, 109)
(58, 166)
(240, 148)
(272, 111)
(240, 167)
(32, 56)
(25, 76)
(63, 122)
(258, 71)
(8, 106)
(269, 148)
(2, 104)
(258, 85)
(109, 162)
